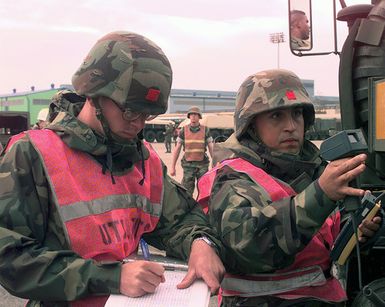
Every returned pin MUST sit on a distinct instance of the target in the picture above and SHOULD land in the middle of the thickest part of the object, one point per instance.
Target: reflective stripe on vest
(13, 140)
(268, 284)
(194, 144)
(275, 189)
(102, 220)
(314, 254)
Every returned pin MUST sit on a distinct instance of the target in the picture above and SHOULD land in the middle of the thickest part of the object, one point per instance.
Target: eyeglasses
(130, 115)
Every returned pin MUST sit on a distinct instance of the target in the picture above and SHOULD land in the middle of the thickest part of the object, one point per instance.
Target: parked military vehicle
(221, 124)
(177, 118)
(326, 124)
(323, 128)
(362, 105)
(11, 123)
(154, 129)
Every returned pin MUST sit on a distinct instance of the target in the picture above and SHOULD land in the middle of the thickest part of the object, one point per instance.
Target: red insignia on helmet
(290, 95)
(152, 94)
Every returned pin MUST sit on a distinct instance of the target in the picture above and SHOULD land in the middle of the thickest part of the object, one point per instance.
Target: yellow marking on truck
(380, 111)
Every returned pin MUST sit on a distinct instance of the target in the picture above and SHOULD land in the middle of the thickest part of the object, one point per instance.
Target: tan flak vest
(194, 144)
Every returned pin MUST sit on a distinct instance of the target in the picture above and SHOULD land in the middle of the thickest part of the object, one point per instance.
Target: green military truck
(11, 123)
(362, 106)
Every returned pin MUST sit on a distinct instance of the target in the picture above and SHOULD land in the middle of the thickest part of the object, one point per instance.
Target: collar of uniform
(194, 128)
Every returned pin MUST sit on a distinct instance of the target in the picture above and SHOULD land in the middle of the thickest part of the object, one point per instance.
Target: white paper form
(167, 295)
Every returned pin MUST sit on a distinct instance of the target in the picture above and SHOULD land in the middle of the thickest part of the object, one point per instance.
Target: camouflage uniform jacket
(297, 43)
(169, 133)
(35, 259)
(261, 235)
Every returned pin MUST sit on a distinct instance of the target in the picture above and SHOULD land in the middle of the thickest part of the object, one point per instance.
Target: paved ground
(6, 300)
(167, 157)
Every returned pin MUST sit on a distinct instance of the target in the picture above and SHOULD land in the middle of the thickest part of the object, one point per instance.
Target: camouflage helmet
(194, 110)
(129, 69)
(269, 90)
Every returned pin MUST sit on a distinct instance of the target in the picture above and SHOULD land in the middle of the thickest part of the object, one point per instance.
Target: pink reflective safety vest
(101, 220)
(305, 277)
(13, 140)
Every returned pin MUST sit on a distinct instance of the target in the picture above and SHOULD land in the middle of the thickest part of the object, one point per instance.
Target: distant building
(327, 102)
(212, 101)
(32, 101)
(208, 101)
(309, 86)
(180, 100)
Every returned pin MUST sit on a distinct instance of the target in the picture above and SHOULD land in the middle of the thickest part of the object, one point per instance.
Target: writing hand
(140, 277)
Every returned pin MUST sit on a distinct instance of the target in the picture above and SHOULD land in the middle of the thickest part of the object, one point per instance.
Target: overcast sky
(211, 44)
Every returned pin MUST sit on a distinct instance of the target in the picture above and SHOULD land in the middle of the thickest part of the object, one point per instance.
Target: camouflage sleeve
(261, 235)
(181, 222)
(35, 262)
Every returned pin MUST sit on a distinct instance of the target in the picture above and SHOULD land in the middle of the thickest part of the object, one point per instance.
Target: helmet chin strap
(279, 163)
(107, 133)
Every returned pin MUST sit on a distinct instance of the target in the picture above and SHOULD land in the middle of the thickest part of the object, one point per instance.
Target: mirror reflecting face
(300, 25)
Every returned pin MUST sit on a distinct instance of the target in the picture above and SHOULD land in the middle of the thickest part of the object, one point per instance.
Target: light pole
(277, 38)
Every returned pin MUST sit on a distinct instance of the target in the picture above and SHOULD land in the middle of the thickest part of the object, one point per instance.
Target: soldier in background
(194, 138)
(77, 197)
(299, 30)
(168, 137)
(176, 133)
(42, 117)
(273, 199)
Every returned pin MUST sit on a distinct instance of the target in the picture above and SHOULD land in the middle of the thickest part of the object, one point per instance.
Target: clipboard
(167, 294)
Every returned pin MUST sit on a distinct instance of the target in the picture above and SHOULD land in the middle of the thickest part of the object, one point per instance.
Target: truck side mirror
(300, 25)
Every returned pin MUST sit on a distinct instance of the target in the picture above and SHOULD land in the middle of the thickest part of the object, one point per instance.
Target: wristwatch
(205, 239)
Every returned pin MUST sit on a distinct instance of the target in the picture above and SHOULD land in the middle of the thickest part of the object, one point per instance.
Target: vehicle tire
(214, 134)
(220, 139)
(160, 136)
(370, 293)
(149, 136)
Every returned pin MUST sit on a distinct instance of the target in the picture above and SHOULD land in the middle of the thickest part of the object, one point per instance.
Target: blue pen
(145, 250)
